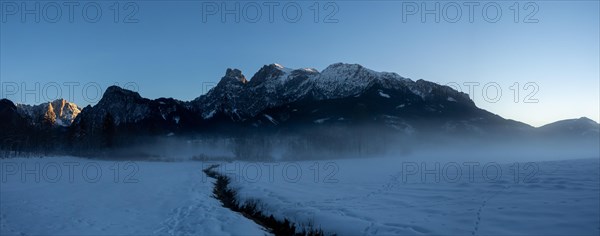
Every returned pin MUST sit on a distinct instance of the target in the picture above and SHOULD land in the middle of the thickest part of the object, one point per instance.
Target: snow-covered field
(139, 198)
(386, 196)
(377, 196)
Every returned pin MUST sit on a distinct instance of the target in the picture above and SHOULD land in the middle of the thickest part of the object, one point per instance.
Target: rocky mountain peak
(59, 112)
(7, 105)
(347, 70)
(343, 66)
(268, 72)
(235, 75)
(114, 92)
(65, 111)
(50, 115)
(11, 120)
(588, 121)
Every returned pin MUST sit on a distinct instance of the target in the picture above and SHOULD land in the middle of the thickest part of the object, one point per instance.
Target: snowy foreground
(394, 197)
(141, 198)
(379, 196)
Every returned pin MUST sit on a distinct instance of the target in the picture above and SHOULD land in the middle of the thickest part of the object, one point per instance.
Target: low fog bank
(508, 151)
(296, 143)
(319, 145)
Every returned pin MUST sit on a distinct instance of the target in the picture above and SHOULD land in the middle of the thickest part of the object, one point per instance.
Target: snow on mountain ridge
(60, 112)
(342, 80)
(283, 68)
(275, 84)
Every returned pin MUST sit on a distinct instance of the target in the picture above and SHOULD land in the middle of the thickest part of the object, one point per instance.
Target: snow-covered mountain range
(278, 98)
(274, 85)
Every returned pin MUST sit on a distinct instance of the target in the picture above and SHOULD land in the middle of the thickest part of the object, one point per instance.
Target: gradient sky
(172, 52)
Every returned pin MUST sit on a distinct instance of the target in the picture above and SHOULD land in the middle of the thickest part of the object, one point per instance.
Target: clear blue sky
(173, 51)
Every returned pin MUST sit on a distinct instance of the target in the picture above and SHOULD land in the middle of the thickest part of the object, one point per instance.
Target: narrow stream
(223, 193)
